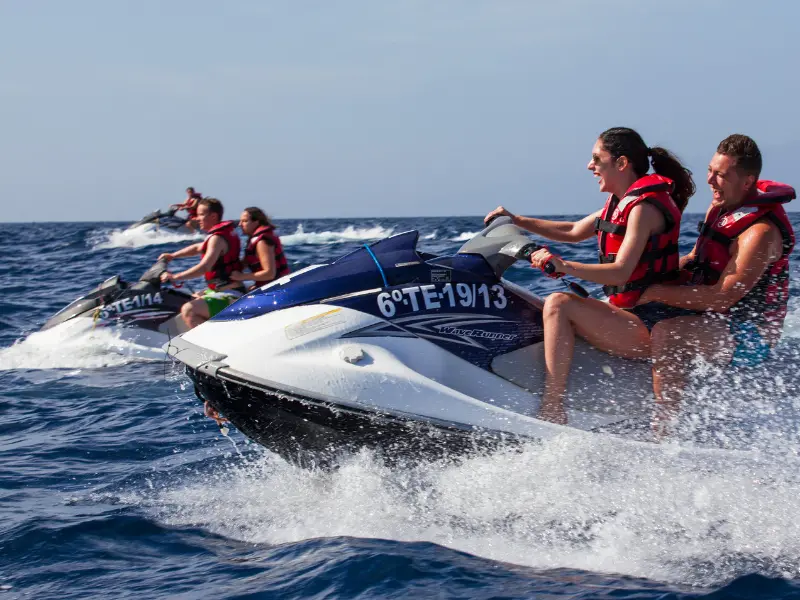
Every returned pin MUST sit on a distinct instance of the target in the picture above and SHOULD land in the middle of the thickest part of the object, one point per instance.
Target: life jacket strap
(704, 229)
(608, 227)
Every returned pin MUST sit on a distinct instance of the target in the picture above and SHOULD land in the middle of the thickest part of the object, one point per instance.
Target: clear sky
(110, 108)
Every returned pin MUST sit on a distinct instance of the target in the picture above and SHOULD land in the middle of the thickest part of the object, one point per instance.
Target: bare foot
(211, 412)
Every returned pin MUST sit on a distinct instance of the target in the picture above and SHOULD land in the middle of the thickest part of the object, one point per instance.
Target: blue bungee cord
(380, 268)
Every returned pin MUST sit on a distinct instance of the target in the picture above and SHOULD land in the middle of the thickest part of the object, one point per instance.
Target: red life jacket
(659, 261)
(191, 209)
(220, 273)
(766, 302)
(266, 233)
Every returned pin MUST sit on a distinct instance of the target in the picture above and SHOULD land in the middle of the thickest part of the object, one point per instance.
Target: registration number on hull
(431, 297)
(120, 307)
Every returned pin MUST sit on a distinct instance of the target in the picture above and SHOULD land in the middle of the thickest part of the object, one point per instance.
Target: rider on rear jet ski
(220, 252)
(190, 206)
(263, 254)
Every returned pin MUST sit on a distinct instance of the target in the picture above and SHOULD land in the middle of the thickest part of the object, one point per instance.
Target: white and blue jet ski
(145, 312)
(389, 346)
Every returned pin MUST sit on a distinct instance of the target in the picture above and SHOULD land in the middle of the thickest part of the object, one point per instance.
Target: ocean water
(114, 485)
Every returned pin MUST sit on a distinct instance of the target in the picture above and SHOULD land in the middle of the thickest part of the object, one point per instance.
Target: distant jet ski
(395, 348)
(163, 220)
(145, 312)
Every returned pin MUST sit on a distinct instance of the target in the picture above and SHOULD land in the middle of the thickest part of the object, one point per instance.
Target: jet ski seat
(525, 367)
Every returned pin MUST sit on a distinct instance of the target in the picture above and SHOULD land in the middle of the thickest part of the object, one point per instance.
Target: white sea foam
(139, 237)
(583, 502)
(74, 345)
(665, 512)
(791, 327)
(465, 236)
(348, 234)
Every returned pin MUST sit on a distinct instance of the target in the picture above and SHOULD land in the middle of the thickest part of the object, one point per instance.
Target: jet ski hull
(144, 313)
(309, 431)
(394, 348)
(162, 220)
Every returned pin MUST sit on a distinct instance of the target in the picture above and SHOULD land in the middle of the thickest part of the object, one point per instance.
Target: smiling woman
(637, 232)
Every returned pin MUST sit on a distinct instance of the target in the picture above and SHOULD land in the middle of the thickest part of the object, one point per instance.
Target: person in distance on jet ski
(263, 254)
(190, 206)
(220, 251)
(733, 301)
(637, 232)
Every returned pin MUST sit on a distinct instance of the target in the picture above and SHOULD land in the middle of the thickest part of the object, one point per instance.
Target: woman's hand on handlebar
(165, 257)
(541, 257)
(497, 212)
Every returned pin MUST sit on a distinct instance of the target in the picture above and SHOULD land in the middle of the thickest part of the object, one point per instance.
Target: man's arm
(192, 250)
(751, 254)
(215, 249)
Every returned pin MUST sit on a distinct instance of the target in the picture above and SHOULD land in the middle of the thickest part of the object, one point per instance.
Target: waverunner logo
(125, 305)
(451, 328)
(476, 333)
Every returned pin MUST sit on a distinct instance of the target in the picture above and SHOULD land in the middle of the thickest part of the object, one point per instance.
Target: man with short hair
(220, 251)
(732, 305)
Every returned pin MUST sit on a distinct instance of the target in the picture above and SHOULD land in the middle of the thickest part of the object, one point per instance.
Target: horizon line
(337, 218)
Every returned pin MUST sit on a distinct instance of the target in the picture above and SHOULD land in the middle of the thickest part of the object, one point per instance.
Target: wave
(465, 236)
(74, 345)
(140, 237)
(348, 234)
(582, 502)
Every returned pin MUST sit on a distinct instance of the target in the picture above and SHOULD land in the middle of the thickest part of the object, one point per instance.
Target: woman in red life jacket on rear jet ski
(637, 232)
(263, 254)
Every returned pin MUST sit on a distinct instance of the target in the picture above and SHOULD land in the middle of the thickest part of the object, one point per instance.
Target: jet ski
(163, 220)
(146, 312)
(395, 348)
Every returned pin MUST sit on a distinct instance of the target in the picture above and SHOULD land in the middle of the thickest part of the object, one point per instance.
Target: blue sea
(114, 485)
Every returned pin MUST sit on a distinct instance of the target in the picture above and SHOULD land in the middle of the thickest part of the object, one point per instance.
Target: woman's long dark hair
(623, 141)
(259, 216)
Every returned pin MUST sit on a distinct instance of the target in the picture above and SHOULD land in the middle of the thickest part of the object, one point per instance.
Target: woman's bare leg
(604, 326)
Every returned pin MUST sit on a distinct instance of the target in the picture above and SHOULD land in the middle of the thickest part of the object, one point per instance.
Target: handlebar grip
(525, 252)
(549, 268)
